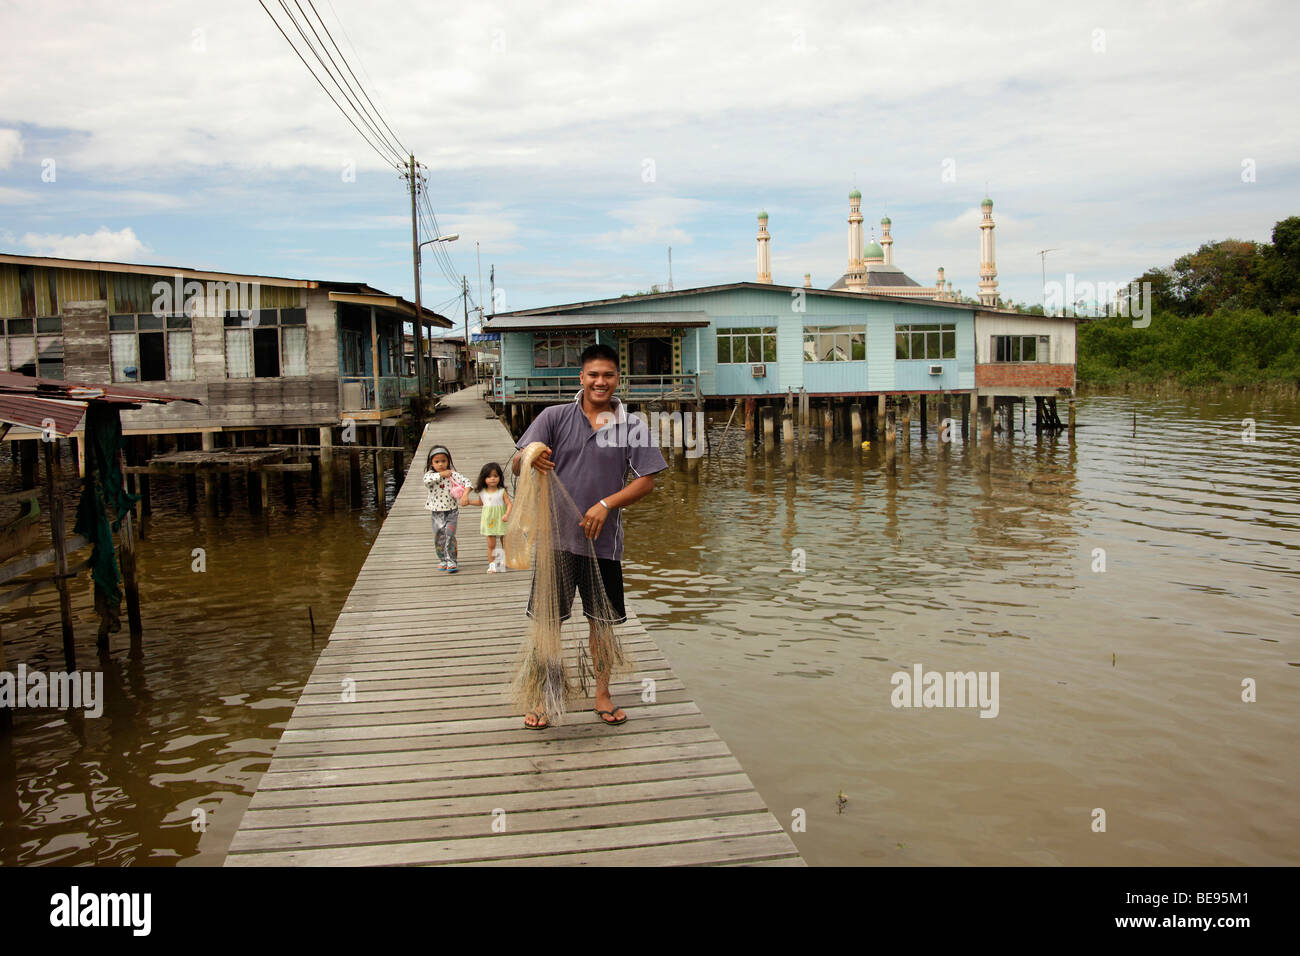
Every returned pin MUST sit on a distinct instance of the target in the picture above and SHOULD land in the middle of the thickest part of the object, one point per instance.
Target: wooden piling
(965, 418)
(787, 426)
(923, 419)
(905, 419)
(130, 584)
(751, 406)
(327, 467)
(354, 478)
(54, 503)
(769, 427)
(855, 423)
(1071, 416)
(208, 442)
(880, 415)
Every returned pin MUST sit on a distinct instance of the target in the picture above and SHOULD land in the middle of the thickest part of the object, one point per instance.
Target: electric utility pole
(464, 295)
(415, 265)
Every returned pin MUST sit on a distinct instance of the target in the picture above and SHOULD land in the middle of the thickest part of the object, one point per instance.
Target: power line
(397, 149)
(361, 114)
(369, 143)
(378, 112)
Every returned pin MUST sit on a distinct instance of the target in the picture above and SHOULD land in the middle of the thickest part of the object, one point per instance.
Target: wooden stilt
(54, 503)
(129, 582)
(855, 423)
(326, 467)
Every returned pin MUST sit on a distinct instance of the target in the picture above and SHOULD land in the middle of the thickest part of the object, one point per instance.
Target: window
(560, 350)
(925, 341)
(748, 344)
(151, 348)
(26, 348)
(835, 343)
(270, 343)
(1019, 348)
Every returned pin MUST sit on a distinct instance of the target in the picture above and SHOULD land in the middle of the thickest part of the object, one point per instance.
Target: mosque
(871, 269)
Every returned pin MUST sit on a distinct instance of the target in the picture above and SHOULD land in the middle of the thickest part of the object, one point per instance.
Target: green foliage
(1225, 314)
(1229, 347)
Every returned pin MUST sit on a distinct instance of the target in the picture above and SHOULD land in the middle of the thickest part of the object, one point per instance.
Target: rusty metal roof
(50, 402)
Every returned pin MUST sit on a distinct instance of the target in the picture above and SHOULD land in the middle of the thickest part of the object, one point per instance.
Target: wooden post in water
(891, 436)
(1071, 414)
(880, 415)
(129, 584)
(965, 417)
(750, 411)
(855, 424)
(55, 503)
(769, 427)
(327, 467)
(828, 422)
(354, 478)
(905, 419)
(787, 426)
(923, 419)
(804, 412)
(208, 442)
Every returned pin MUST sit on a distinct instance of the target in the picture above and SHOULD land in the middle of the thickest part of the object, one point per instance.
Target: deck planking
(430, 754)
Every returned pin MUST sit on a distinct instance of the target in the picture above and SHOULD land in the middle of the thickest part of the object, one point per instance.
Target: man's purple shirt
(591, 467)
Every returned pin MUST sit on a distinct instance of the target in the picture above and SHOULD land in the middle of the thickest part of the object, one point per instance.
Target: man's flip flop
(542, 722)
(611, 723)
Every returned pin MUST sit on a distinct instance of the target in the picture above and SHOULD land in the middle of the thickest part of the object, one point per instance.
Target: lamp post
(420, 353)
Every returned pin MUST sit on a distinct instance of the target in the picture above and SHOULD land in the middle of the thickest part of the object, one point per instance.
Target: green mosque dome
(762, 214)
(886, 221)
(987, 201)
(855, 195)
(873, 250)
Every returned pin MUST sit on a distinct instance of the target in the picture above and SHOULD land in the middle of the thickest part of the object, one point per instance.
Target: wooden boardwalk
(431, 765)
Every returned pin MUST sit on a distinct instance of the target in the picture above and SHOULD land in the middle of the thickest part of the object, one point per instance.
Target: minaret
(856, 279)
(939, 284)
(764, 252)
(807, 280)
(988, 266)
(887, 241)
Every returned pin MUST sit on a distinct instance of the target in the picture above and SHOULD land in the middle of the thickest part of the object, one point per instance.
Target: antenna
(1042, 253)
(670, 268)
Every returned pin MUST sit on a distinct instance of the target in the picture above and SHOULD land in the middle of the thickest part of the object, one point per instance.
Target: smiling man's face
(599, 379)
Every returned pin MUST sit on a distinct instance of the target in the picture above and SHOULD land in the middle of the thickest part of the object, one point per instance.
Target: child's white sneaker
(442, 565)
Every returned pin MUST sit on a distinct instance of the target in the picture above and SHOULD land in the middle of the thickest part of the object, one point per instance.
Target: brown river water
(1118, 691)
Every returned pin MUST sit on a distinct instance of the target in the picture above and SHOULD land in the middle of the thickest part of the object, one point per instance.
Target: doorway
(651, 356)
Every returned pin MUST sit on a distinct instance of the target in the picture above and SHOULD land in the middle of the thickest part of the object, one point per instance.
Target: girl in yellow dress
(489, 492)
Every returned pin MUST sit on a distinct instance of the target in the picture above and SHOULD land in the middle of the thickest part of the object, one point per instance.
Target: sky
(571, 144)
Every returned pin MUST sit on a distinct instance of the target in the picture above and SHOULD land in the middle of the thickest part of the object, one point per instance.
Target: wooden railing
(631, 388)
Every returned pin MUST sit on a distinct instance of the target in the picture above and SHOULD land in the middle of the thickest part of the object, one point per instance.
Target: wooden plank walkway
(430, 754)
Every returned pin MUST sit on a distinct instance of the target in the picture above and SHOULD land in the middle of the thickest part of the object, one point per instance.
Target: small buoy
(866, 445)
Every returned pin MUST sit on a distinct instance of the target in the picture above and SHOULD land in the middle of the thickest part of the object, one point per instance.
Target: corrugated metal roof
(30, 401)
(596, 320)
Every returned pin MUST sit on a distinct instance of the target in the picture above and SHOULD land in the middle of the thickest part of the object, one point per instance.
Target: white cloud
(120, 246)
(11, 146)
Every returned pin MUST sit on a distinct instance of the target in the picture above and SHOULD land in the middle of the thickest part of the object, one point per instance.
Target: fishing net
(545, 533)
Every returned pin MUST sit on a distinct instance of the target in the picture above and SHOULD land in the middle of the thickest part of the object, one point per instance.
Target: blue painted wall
(777, 308)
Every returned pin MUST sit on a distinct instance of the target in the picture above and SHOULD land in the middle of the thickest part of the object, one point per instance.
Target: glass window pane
(179, 322)
(150, 322)
(294, 341)
(20, 326)
(238, 358)
(121, 323)
(180, 356)
(22, 356)
(126, 362)
(541, 356)
(263, 317)
(809, 347)
(901, 346)
(769, 348)
(724, 349)
(235, 320)
(841, 348)
(51, 324)
(1028, 352)
(266, 352)
(950, 344)
(754, 347)
(293, 316)
(859, 347)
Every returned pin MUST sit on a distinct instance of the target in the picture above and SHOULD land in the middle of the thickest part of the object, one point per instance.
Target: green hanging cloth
(102, 487)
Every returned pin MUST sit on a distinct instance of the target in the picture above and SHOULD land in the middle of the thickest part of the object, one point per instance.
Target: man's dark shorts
(574, 572)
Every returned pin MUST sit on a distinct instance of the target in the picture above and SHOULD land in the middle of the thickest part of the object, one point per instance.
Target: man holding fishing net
(573, 462)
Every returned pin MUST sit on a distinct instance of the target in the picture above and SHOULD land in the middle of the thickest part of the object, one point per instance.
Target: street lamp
(420, 352)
